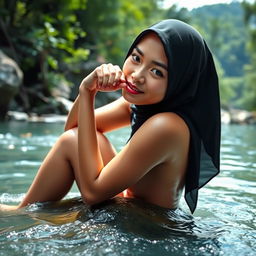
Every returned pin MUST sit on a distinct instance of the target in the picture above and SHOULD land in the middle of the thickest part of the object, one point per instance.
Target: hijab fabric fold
(193, 94)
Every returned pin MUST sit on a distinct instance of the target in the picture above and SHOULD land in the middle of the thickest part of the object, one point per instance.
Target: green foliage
(223, 28)
(177, 13)
(48, 38)
(111, 26)
(228, 85)
(248, 99)
(230, 90)
(52, 39)
(42, 35)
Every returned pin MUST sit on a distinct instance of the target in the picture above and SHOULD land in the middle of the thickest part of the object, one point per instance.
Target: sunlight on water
(223, 224)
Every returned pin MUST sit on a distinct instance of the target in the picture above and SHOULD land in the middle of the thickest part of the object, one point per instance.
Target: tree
(248, 99)
(224, 30)
(174, 12)
(112, 25)
(42, 36)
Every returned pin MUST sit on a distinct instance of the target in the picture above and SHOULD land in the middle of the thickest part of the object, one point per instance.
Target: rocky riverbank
(238, 116)
(34, 118)
(40, 107)
(232, 116)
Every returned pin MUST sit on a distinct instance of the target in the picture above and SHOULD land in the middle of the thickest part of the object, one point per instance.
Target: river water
(223, 224)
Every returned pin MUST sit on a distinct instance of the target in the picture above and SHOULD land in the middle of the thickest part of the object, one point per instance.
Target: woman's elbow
(90, 198)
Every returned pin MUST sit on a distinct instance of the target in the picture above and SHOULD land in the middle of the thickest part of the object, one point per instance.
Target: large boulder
(10, 80)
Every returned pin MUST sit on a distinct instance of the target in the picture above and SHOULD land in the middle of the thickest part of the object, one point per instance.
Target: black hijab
(193, 94)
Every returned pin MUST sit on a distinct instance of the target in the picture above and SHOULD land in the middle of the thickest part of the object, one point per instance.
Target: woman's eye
(136, 58)
(157, 72)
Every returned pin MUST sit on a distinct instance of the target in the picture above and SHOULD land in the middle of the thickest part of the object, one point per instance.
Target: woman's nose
(138, 76)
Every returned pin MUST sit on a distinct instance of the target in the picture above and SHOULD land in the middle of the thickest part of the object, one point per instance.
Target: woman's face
(146, 72)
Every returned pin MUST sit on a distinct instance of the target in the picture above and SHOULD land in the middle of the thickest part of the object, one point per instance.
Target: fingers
(115, 74)
(122, 80)
(108, 75)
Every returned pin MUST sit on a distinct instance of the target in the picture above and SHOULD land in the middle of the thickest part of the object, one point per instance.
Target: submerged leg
(4, 207)
(59, 170)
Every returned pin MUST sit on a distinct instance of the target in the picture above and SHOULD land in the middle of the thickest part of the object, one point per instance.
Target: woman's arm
(112, 116)
(71, 121)
(90, 160)
(156, 142)
(108, 117)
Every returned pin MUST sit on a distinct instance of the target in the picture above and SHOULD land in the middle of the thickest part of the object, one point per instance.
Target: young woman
(170, 98)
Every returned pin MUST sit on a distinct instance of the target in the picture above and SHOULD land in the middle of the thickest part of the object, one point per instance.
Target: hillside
(223, 27)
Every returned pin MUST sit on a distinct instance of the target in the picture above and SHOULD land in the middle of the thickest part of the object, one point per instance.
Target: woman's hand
(105, 78)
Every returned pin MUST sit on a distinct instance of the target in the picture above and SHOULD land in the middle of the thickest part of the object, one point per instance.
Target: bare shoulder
(167, 125)
(164, 133)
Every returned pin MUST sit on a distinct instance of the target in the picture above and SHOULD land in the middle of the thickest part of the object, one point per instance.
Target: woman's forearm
(90, 161)
(72, 119)
(103, 78)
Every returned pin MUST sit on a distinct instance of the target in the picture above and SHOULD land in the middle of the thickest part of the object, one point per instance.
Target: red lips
(132, 88)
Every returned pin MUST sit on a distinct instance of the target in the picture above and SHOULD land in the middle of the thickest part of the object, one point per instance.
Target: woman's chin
(132, 98)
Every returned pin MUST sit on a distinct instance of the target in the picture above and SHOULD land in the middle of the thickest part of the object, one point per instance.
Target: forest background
(56, 43)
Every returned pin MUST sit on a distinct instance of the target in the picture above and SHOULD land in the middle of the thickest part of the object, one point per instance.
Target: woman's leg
(59, 169)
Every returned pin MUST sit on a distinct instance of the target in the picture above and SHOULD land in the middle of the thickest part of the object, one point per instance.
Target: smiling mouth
(132, 89)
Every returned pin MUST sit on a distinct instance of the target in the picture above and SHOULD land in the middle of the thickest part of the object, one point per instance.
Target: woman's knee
(69, 141)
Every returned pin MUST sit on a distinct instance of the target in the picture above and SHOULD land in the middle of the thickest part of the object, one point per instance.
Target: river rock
(239, 116)
(34, 118)
(11, 78)
(62, 89)
(225, 117)
(64, 105)
(17, 116)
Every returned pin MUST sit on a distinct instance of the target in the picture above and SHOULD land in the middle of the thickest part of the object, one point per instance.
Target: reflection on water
(117, 227)
(223, 224)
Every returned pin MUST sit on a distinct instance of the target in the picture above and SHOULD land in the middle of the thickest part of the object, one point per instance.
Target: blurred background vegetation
(56, 43)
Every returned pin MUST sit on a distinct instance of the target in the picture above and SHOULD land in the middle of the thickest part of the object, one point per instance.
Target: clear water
(223, 224)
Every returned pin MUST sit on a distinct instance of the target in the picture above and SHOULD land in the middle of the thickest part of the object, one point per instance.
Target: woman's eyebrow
(139, 50)
(154, 61)
(160, 64)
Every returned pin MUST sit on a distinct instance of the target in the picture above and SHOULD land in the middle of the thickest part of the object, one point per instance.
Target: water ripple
(223, 224)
